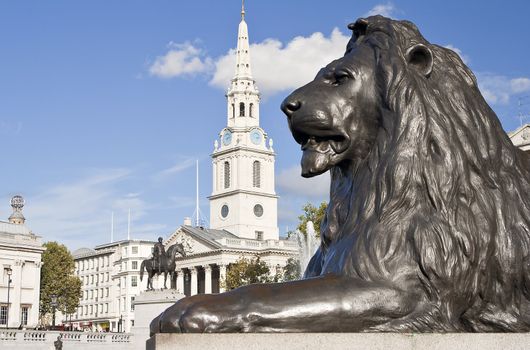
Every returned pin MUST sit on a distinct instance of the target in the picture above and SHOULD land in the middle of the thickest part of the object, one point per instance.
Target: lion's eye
(342, 77)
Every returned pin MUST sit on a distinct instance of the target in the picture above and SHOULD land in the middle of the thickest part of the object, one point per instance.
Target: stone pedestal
(147, 306)
(338, 341)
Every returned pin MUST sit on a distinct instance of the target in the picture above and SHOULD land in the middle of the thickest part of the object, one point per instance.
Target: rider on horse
(158, 252)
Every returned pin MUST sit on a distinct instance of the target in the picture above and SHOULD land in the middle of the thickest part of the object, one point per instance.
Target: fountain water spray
(307, 245)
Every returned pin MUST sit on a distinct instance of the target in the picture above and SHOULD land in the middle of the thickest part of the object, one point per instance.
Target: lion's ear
(420, 56)
(358, 28)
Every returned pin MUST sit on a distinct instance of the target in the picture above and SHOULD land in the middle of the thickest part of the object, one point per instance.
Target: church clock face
(227, 138)
(255, 137)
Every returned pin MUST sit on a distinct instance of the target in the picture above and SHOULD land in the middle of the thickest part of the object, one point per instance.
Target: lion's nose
(290, 106)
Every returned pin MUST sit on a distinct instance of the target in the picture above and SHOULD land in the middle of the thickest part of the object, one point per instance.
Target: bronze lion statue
(428, 223)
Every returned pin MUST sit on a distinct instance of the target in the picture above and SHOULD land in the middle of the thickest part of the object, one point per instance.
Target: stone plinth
(148, 305)
(347, 341)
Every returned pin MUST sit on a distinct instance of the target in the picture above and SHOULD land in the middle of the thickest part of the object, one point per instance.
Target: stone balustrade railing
(253, 244)
(29, 336)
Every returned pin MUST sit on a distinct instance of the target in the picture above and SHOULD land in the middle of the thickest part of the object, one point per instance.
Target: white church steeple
(243, 199)
(243, 95)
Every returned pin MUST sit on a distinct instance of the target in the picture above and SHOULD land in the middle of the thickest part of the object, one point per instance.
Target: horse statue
(166, 265)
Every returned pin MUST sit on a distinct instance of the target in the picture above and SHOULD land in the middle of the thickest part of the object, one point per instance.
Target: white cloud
(290, 182)
(278, 67)
(464, 58)
(176, 168)
(78, 213)
(181, 59)
(519, 85)
(387, 10)
(498, 89)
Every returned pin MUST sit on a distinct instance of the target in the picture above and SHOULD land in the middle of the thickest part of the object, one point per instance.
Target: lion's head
(427, 190)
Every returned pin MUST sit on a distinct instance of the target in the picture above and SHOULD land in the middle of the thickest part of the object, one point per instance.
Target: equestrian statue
(161, 262)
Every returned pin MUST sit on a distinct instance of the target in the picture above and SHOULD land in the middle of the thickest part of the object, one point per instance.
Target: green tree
(57, 278)
(247, 271)
(292, 270)
(311, 213)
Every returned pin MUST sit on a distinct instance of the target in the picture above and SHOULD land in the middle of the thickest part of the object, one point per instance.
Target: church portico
(210, 252)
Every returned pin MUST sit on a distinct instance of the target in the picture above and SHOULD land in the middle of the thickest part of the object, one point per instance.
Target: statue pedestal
(147, 306)
(346, 341)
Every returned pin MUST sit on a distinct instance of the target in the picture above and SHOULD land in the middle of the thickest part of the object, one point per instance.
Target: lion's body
(440, 203)
(428, 226)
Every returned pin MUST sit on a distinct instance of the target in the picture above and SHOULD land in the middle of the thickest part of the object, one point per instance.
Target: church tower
(243, 200)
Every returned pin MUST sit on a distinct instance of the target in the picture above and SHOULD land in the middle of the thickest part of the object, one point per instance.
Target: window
(107, 276)
(250, 108)
(258, 210)
(134, 250)
(135, 265)
(91, 309)
(107, 291)
(132, 303)
(224, 211)
(256, 173)
(3, 314)
(233, 110)
(241, 109)
(106, 307)
(227, 174)
(24, 315)
(259, 235)
(134, 281)
(91, 279)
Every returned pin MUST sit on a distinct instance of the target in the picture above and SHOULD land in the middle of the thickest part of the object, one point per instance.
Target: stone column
(15, 293)
(180, 281)
(222, 276)
(193, 271)
(207, 279)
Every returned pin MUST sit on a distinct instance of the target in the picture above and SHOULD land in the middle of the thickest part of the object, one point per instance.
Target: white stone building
(243, 204)
(20, 260)
(110, 280)
(521, 137)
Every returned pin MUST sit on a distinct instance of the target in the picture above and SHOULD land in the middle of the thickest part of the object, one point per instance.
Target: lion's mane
(440, 204)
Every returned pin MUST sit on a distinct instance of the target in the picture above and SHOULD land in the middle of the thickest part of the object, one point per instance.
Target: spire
(243, 94)
(243, 57)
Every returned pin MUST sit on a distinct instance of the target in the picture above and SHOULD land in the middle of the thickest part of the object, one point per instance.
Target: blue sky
(105, 105)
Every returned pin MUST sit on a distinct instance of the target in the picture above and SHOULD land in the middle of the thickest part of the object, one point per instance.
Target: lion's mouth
(320, 152)
(337, 143)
